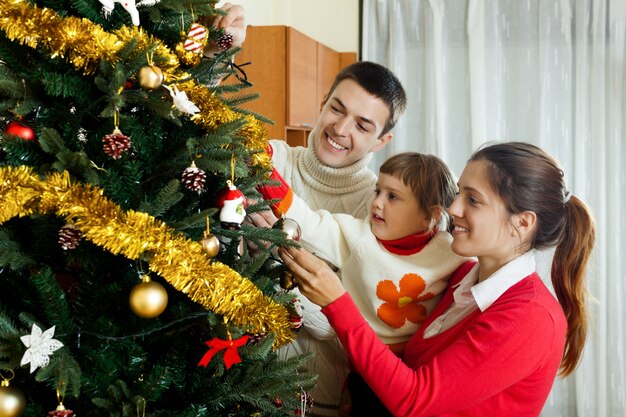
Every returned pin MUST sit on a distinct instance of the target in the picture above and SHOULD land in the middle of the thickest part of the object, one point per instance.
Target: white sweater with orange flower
(395, 284)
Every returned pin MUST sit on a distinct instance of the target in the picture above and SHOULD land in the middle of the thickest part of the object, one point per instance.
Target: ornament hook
(5, 380)
(141, 407)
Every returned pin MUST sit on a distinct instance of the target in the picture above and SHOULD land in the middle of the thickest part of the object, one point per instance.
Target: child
(395, 263)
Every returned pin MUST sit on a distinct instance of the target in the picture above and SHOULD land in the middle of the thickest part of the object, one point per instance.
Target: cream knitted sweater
(338, 190)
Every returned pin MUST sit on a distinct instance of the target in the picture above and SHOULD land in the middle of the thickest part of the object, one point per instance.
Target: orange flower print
(404, 303)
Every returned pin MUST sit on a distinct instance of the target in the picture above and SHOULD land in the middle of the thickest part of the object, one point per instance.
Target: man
(331, 173)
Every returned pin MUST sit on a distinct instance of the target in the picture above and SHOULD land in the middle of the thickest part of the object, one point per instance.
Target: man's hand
(233, 22)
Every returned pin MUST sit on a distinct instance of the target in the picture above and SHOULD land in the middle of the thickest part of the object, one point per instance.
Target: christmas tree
(128, 288)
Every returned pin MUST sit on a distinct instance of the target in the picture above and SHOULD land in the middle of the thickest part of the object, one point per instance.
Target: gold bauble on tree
(148, 299)
(12, 400)
(210, 243)
(150, 77)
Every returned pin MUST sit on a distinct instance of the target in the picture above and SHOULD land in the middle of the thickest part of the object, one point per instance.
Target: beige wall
(335, 23)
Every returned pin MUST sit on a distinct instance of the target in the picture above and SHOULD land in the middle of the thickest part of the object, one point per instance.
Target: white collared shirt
(471, 294)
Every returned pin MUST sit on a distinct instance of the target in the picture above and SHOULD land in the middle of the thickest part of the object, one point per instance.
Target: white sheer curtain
(550, 72)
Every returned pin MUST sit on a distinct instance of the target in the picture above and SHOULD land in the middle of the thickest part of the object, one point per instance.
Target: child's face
(395, 212)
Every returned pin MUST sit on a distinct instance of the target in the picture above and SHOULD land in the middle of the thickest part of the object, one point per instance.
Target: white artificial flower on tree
(40, 345)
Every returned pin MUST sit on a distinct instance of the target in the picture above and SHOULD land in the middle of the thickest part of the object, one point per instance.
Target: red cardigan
(500, 362)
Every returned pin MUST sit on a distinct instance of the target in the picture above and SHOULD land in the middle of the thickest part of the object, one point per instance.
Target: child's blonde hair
(431, 181)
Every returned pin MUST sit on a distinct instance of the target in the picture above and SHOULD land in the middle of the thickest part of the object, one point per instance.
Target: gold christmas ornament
(150, 77)
(148, 299)
(210, 245)
(12, 400)
(287, 281)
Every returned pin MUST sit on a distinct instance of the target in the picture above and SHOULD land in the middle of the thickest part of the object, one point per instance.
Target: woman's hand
(316, 281)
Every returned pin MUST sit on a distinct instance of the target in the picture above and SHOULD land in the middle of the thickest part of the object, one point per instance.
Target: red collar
(410, 244)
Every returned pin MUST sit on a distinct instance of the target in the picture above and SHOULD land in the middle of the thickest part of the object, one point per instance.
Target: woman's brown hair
(528, 179)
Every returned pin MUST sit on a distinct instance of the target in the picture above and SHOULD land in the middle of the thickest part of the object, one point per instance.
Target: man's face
(350, 125)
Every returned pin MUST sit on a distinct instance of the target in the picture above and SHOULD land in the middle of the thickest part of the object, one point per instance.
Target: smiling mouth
(377, 219)
(460, 229)
(334, 144)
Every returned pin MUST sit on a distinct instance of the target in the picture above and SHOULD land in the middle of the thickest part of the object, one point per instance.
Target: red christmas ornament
(20, 130)
(306, 403)
(232, 205)
(295, 314)
(115, 144)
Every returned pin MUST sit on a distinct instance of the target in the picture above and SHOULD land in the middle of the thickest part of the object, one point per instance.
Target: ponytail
(568, 278)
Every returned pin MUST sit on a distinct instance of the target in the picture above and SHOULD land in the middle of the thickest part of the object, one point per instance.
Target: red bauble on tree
(20, 130)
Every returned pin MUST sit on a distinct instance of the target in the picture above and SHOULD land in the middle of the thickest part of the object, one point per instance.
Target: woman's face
(482, 225)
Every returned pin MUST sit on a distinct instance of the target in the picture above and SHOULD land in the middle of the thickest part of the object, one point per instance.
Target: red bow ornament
(231, 355)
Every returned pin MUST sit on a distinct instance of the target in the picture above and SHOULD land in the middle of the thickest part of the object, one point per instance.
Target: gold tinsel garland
(85, 44)
(177, 259)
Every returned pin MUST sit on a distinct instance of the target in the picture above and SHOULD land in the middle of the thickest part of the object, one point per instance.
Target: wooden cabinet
(292, 73)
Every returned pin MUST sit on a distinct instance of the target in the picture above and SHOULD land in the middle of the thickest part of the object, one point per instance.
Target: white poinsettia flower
(181, 102)
(40, 345)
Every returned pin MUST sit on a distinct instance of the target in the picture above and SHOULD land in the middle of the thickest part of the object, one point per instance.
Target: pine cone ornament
(194, 178)
(255, 338)
(61, 413)
(69, 237)
(225, 41)
(115, 144)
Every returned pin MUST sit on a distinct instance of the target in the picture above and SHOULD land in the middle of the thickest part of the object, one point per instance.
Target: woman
(497, 339)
